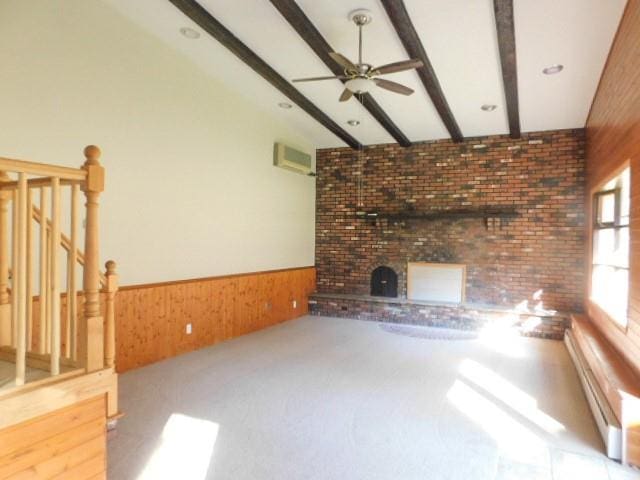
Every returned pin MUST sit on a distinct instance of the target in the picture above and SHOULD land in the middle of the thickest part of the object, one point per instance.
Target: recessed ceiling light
(488, 107)
(190, 33)
(553, 69)
(353, 123)
(285, 105)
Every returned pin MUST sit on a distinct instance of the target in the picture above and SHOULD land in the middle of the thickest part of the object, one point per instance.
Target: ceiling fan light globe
(360, 85)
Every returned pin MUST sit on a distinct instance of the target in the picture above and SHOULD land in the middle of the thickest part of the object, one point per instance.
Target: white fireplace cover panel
(436, 282)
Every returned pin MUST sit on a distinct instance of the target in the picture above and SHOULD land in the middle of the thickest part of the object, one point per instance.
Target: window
(610, 269)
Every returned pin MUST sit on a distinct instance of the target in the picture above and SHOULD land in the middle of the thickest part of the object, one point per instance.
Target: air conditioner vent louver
(291, 159)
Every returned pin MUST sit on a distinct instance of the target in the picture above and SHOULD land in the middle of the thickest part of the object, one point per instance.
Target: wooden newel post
(91, 330)
(5, 300)
(110, 335)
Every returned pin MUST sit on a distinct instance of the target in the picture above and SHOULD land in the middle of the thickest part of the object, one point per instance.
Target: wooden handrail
(34, 168)
(65, 242)
(39, 182)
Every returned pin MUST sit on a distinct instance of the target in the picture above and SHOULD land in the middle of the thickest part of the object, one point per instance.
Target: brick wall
(541, 176)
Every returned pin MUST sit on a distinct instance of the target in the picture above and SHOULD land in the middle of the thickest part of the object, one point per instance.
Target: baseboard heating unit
(605, 419)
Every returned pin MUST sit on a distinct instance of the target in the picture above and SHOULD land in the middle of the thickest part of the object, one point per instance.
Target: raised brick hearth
(464, 317)
(533, 257)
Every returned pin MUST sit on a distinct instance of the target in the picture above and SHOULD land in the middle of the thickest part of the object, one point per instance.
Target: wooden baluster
(14, 270)
(44, 269)
(67, 316)
(5, 306)
(29, 268)
(20, 281)
(50, 252)
(54, 277)
(110, 334)
(72, 293)
(91, 331)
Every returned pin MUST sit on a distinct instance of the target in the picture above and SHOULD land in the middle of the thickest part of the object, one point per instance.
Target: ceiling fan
(362, 77)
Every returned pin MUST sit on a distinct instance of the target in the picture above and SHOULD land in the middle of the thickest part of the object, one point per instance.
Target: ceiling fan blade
(392, 86)
(314, 79)
(346, 95)
(397, 67)
(343, 61)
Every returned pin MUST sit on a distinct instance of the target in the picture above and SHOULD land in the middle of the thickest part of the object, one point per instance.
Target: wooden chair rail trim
(34, 168)
(204, 279)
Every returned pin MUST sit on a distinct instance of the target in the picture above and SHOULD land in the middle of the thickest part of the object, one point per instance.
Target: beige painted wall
(191, 190)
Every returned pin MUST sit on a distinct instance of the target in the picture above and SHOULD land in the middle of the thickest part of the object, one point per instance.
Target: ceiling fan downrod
(360, 17)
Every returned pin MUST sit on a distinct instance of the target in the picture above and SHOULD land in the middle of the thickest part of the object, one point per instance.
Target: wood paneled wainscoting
(151, 320)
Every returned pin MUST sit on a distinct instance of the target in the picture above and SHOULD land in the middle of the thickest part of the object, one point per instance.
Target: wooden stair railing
(65, 242)
(84, 337)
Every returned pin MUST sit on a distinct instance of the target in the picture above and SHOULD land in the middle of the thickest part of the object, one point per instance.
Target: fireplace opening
(384, 282)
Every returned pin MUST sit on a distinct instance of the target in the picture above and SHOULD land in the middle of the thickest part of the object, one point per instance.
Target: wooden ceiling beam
(397, 13)
(507, 46)
(213, 27)
(293, 14)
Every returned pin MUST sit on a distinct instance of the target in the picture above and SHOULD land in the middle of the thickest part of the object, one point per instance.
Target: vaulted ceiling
(477, 52)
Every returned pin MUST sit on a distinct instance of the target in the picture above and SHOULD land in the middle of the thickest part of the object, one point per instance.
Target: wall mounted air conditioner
(291, 159)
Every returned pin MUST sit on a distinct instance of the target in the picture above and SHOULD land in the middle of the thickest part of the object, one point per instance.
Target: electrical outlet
(295, 304)
(188, 329)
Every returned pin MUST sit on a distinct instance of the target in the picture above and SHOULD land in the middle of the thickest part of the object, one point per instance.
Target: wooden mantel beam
(206, 21)
(293, 14)
(401, 21)
(507, 46)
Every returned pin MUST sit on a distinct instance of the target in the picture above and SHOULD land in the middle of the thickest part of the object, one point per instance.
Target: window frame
(596, 225)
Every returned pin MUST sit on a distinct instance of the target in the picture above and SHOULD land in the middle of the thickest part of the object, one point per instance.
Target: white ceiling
(458, 35)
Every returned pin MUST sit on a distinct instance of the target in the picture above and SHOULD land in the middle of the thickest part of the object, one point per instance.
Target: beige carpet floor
(325, 398)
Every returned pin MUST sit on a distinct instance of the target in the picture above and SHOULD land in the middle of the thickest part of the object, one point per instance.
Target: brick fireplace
(511, 211)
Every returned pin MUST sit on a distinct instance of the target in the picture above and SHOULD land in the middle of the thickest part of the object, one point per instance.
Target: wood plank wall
(151, 319)
(613, 138)
(67, 443)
